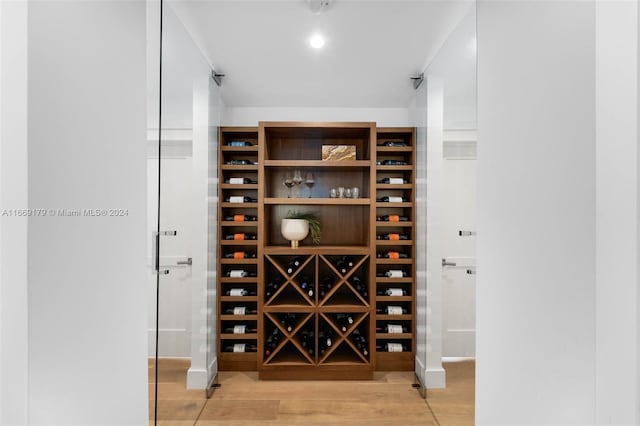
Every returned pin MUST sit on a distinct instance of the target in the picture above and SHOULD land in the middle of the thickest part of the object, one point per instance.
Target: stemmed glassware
(309, 182)
(297, 180)
(288, 182)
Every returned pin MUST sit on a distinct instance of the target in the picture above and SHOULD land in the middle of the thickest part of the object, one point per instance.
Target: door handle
(445, 263)
(466, 233)
(189, 261)
(155, 248)
(471, 271)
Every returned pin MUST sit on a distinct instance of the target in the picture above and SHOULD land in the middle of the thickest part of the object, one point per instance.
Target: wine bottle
(240, 218)
(241, 347)
(240, 255)
(307, 341)
(272, 341)
(344, 264)
(392, 310)
(240, 292)
(359, 286)
(324, 287)
(360, 341)
(392, 181)
(392, 218)
(325, 340)
(288, 320)
(293, 265)
(392, 292)
(394, 143)
(391, 163)
(240, 236)
(344, 321)
(392, 237)
(240, 181)
(240, 310)
(307, 285)
(240, 199)
(240, 329)
(239, 143)
(271, 288)
(240, 273)
(241, 162)
(392, 199)
(392, 347)
(392, 254)
(392, 329)
(392, 273)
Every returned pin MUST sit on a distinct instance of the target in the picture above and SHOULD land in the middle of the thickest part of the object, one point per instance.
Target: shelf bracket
(417, 80)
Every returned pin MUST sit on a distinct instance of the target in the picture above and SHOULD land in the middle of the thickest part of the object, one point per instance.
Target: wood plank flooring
(242, 400)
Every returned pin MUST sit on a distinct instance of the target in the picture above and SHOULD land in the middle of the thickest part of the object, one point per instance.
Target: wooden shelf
(253, 167)
(246, 280)
(381, 224)
(242, 299)
(227, 148)
(234, 223)
(239, 205)
(226, 261)
(404, 317)
(311, 250)
(382, 261)
(385, 280)
(391, 336)
(238, 317)
(394, 148)
(239, 186)
(394, 242)
(390, 299)
(394, 168)
(239, 242)
(318, 163)
(390, 205)
(229, 336)
(322, 201)
(394, 186)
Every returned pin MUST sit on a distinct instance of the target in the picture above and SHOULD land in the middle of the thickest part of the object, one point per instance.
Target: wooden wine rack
(288, 315)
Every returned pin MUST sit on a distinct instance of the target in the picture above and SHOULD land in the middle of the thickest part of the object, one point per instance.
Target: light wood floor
(244, 400)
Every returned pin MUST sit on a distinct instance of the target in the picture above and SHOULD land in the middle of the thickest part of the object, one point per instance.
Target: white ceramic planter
(294, 230)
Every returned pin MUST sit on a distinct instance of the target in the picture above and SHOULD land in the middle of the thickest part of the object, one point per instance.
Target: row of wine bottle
(344, 321)
(392, 273)
(391, 163)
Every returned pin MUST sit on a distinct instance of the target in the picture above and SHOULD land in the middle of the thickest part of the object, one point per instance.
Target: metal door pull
(466, 233)
(471, 271)
(189, 261)
(445, 263)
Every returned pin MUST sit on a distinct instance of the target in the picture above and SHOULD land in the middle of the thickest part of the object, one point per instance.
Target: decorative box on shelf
(338, 152)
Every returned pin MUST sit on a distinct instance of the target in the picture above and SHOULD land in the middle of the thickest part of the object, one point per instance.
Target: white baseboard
(198, 378)
(458, 358)
(436, 378)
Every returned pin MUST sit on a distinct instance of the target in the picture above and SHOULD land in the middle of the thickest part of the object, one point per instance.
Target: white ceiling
(372, 49)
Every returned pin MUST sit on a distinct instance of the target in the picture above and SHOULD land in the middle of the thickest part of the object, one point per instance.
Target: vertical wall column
(435, 374)
(13, 229)
(617, 214)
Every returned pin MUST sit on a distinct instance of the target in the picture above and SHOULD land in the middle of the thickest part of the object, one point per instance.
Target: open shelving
(296, 309)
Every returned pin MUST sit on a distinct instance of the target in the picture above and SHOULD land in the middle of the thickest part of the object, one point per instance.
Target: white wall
(250, 116)
(13, 230)
(536, 213)
(87, 149)
(617, 214)
(558, 214)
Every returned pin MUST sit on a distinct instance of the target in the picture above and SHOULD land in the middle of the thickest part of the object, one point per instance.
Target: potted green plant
(297, 225)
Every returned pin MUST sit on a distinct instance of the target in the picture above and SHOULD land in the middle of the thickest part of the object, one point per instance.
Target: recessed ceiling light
(317, 41)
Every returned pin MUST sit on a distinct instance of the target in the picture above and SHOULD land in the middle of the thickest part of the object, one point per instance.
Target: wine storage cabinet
(337, 310)
(316, 316)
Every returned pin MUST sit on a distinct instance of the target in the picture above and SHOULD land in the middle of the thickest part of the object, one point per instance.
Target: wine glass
(288, 182)
(297, 180)
(309, 182)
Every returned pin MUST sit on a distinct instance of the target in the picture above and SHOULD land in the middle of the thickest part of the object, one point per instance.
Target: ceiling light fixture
(317, 41)
(318, 6)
